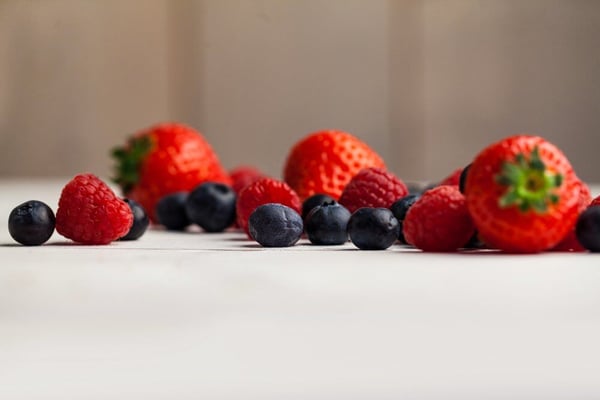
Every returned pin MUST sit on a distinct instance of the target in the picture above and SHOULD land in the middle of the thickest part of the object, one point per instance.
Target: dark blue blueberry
(463, 179)
(373, 228)
(313, 201)
(400, 208)
(140, 221)
(212, 206)
(275, 225)
(31, 223)
(475, 242)
(588, 229)
(170, 211)
(327, 224)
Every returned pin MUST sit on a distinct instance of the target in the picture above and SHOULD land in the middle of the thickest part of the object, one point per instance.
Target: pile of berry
(519, 195)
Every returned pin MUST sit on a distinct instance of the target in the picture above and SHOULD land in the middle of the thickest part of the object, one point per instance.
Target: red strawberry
(439, 220)
(570, 242)
(372, 187)
(453, 178)
(244, 175)
(522, 194)
(263, 191)
(325, 161)
(90, 213)
(165, 159)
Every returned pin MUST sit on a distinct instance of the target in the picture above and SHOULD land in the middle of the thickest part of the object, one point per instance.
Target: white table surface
(214, 316)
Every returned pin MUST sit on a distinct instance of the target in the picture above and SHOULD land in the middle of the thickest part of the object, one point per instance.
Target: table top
(197, 315)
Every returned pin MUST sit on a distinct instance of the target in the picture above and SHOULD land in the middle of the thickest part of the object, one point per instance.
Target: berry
(588, 228)
(453, 178)
(400, 208)
(165, 159)
(31, 223)
(275, 225)
(314, 201)
(373, 228)
(439, 221)
(327, 224)
(570, 242)
(325, 161)
(266, 190)
(170, 211)
(463, 179)
(90, 213)
(212, 206)
(595, 202)
(522, 194)
(372, 187)
(243, 176)
(140, 221)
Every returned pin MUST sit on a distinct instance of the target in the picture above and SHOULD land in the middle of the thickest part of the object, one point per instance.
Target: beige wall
(426, 83)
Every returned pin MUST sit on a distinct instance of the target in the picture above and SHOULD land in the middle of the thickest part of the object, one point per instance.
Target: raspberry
(90, 213)
(439, 220)
(372, 187)
(243, 176)
(263, 191)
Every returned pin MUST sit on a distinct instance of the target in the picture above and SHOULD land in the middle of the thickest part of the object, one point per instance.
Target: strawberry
(243, 175)
(372, 187)
(522, 194)
(325, 161)
(570, 242)
(263, 191)
(90, 213)
(165, 159)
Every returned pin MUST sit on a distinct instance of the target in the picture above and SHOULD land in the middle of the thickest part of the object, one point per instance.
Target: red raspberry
(263, 191)
(372, 187)
(90, 213)
(453, 178)
(243, 176)
(439, 220)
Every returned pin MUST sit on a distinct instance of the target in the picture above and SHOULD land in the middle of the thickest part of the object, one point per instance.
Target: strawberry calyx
(129, 159)
(530, 185)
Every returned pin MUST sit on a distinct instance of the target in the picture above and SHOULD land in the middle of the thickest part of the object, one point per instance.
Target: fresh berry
(373, 228)
(400, 208)
(372, 187)
(243, 176)
(314, 201)
(212, 206)
(453, 178)
(165, 159)
(439, 221)
(140, 221)
(327, 224)
(325, 161)
(463, 179)
(266, 190)
(31, 223)
(595, 202)
(570, 242)
(522, 194)
(90, 213)
(170, 211)
(275, 225)
(588, 228)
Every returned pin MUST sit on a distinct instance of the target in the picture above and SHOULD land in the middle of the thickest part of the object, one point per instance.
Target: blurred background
(426, 83)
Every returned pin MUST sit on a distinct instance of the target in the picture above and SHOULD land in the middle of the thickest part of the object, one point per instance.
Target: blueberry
(463, 179)
(588, 229)
(170, 211)
(400, 208)
(275, 225)
(327, 224)
(313, 201)
(140, 221)
(373, 228)
(31, 223)
(212, 206)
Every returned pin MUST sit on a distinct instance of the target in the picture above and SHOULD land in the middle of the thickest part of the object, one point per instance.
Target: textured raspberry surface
(263, 191)
(243, 176)
(372, 187)
(453, 178)
(90, 213)
(570, 242)
(325, 161)
(439, 221)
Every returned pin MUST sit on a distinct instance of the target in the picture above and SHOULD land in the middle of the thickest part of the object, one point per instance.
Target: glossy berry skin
(165, 159)
(140, 221)
(373, 228)
(400, 208)
(372, 187)
(325, 161)
(212, 206)
(588, 228)
(170, 211)
(314, 201)
(522, 194)
(439, 221)
(90, 213)
(327, 224)
(31, 223)
(275, 225)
